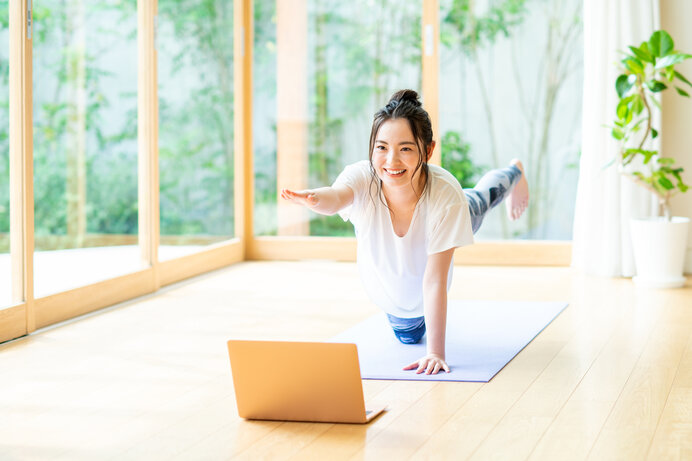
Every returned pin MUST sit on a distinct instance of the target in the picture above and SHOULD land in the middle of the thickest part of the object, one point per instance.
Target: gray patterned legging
(492, 189)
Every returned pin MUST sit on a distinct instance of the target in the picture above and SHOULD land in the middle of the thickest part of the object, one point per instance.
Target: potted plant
(659, 243)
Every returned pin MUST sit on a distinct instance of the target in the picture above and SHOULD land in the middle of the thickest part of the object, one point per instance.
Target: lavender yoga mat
(482, 337)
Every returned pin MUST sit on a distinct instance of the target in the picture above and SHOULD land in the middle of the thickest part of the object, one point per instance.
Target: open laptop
(298, 381)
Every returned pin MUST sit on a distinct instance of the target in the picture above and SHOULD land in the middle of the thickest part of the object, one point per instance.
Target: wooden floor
(610, 378)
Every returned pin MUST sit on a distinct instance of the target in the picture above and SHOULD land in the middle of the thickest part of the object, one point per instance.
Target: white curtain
(605, 199)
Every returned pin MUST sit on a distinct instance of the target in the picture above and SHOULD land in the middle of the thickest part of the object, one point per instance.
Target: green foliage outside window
(456, 158)
(4, 128)
(196, 128)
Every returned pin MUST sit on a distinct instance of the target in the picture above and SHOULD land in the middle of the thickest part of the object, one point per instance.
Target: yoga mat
(482, 337)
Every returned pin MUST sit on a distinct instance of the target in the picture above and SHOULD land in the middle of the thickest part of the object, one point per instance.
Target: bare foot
(518, 199)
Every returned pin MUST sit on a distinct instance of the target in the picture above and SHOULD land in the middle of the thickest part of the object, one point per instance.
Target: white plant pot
(659, 251)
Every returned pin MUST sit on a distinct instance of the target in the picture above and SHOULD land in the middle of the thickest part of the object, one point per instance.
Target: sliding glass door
(196, 142)
(85, 142)
(5, 261)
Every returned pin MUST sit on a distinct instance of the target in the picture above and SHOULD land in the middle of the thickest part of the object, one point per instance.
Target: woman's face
(396, 155)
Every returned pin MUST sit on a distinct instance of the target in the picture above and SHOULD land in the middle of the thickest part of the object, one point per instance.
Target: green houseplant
(647, 70)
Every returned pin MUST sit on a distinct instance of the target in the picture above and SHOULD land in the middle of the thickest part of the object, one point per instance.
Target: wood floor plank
(517, 433)
(630, 427)
(673, 437)
(471, 424)
(574, 430)
(260, 439)
(341, 441)
(414, 426)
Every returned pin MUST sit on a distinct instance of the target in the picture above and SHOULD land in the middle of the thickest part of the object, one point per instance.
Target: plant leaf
(682, 92)
(645, 48)
(656, 103)
(623, 107)
(670, 73)
(622, 85)
(660, 43)
(637, 104)
(654, 133)
(634, 65)
(655, 86)
(665, 160)
(617, 133)
(635, 127)
(642, 54)
(671, 60)
(648, 155)
(682, 77)
(665, 182)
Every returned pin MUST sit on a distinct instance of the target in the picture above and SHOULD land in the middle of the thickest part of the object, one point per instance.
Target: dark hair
(405, 104)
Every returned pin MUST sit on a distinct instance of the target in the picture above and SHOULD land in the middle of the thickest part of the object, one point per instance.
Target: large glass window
(85, 142)
(321, 70)
(195, 68)
(510, 86)
(5, 264)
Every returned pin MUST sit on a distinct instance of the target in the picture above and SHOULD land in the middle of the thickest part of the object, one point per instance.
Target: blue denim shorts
(408, 331)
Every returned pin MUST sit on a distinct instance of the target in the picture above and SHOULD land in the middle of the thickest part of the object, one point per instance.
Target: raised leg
(494, 187)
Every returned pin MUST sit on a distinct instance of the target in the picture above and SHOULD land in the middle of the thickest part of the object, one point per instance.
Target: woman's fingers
(428, 365)
(299, 196)
(411, 366)
(289, 194)
(304, 197)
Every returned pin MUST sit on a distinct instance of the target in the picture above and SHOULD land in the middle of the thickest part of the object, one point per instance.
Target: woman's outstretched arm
(325, 200)
(435, 309)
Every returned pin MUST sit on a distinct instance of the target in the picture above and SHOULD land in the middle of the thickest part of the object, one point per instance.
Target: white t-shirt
(390, 266)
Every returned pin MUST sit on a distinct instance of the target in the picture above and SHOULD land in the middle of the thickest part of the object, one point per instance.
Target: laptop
(298, 381)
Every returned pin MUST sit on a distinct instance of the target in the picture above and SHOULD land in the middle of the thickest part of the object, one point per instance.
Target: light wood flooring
(608, 379)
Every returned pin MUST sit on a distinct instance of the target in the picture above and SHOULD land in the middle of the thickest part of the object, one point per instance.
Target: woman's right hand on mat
(307, 198)
(430, 364)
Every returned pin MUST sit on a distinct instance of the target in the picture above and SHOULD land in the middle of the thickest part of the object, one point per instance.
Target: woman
(409, 217)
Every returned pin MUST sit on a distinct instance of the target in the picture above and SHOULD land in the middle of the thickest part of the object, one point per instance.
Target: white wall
(676, 133)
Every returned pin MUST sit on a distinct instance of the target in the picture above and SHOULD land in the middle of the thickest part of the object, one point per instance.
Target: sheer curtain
(605, 199)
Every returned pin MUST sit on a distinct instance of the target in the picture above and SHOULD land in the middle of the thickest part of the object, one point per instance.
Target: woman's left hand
(430, 364)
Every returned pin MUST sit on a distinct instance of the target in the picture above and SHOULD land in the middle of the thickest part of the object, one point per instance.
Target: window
(195, 68)
(510, 86)
(85, 142)
(321, 70)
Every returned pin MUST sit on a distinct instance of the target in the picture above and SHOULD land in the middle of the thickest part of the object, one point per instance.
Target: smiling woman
(410, 217)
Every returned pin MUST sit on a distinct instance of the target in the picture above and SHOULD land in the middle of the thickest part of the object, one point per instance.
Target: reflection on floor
(61, 270)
